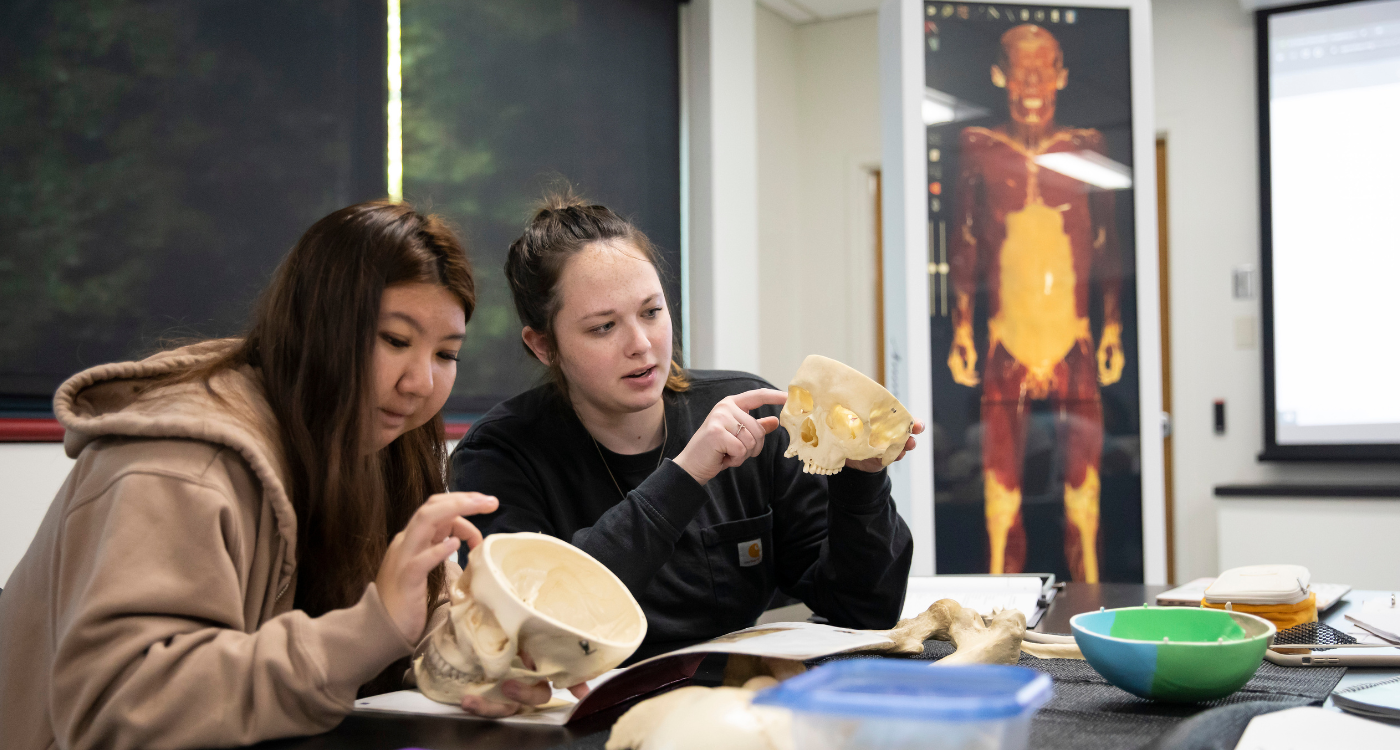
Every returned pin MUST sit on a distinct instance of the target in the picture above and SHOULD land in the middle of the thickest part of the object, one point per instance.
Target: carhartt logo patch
(750, 553)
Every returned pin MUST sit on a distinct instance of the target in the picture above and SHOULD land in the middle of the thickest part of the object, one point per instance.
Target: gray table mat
(1087, 713)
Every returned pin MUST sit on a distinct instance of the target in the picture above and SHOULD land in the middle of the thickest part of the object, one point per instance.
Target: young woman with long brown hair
(254, 528)
(669, 477)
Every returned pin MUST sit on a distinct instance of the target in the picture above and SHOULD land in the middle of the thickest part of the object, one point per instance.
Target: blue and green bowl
(1176, 654)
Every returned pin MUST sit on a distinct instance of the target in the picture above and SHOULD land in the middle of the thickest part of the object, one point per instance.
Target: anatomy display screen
(1333, 104)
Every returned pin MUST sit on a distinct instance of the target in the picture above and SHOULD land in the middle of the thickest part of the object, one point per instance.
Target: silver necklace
(665, 435)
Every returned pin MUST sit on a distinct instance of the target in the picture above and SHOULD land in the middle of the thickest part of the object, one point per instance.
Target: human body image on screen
(1034, 238)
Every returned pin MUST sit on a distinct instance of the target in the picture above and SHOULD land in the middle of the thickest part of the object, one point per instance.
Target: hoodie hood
(227, 409)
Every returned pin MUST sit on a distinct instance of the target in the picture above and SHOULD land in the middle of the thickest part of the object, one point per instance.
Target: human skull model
(528, 595)
(700, 718)
(834, 413)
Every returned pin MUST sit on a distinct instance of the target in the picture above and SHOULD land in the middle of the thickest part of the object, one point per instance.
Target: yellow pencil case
(1283, 616)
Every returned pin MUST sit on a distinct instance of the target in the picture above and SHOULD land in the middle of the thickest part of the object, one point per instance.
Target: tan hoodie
(154, 606)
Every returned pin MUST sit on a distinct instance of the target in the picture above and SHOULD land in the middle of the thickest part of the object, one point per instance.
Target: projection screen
(1329, 83)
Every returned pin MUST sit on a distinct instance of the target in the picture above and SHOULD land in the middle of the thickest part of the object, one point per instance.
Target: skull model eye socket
(886, 426)
(844, 423)
(832, 404)
(799, 401)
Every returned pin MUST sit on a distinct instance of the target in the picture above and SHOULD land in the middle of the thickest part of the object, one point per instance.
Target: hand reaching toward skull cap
(434, 533)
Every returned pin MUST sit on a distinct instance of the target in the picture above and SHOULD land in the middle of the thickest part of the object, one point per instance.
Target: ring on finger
(738, 428)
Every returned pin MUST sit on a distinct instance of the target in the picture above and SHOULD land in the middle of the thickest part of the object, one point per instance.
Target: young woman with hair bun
(255, 529)
(674, 479)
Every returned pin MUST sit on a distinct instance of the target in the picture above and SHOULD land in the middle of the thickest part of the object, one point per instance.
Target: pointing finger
(750, 400)
(472, 503)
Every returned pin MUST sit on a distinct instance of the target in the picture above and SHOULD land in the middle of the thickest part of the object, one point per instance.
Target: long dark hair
(312, 337)
(563, 226)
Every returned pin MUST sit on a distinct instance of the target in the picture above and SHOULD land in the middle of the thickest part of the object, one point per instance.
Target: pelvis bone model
(834, 413)
(528, 595)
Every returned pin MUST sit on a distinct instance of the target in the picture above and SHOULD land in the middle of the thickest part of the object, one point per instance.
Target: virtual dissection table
(1086, 713)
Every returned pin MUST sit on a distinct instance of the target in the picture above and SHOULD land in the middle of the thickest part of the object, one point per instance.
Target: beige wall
(1205, 99)
(30, 476)
(818, 136)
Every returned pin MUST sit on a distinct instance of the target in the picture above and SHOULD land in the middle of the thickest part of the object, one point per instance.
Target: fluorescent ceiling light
(939, 108)
(1090, 168)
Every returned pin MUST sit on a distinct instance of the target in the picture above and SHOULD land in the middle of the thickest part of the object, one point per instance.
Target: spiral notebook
(1377, 700)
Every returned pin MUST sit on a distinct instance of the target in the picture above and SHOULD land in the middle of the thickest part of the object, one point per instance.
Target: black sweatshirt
(701, 560)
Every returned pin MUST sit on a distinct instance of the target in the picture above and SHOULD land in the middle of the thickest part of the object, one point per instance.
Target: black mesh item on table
(1310, 633)
(1087, 713)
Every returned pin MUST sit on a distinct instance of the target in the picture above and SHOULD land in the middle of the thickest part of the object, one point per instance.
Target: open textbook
(1030, 593)
(798, 641)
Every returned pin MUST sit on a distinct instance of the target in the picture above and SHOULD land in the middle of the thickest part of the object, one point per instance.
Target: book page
(1379, 617)
(982, 593)
(411, 702)
(1308, 728)
(798, 641)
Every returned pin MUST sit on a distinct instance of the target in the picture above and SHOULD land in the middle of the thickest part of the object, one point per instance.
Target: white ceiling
(807, 11)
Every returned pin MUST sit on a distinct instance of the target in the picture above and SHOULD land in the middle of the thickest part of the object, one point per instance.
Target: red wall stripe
(27, 430)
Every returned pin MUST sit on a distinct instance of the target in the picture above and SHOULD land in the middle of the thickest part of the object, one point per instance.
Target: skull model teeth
(528, 597)
(834, 413)
(809, 466)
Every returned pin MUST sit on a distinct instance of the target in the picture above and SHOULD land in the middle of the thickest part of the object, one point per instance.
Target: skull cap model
(834, 413)
(528, 595)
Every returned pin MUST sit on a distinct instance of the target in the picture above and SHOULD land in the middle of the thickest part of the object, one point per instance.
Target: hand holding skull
(519, 695)
(876, 463)
(837, 417)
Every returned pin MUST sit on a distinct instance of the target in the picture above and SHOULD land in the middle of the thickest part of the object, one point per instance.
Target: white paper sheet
(1308, 728)
(790, 640)
(1377, 620)
(982, 593)
(415, 703)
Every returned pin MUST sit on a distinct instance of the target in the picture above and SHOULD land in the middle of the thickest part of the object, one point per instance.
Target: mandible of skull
(834, 413)
(528, 595)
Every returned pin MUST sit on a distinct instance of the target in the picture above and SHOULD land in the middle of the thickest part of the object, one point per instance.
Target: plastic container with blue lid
(886, 704)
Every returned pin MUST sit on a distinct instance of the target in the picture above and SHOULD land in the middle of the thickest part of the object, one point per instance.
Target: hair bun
(560, 199)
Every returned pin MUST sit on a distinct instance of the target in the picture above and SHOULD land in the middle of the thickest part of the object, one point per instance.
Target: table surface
(380, 733)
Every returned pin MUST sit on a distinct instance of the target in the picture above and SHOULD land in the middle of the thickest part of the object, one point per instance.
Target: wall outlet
(1244, 282)
(1246, 332)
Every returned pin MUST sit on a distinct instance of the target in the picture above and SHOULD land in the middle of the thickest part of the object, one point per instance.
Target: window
(501, 99)
(158, 159)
